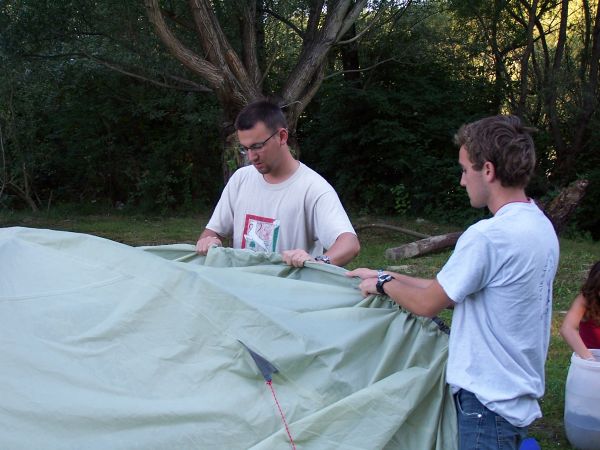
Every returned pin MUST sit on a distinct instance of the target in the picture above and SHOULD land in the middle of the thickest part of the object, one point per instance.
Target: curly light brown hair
(591, 292)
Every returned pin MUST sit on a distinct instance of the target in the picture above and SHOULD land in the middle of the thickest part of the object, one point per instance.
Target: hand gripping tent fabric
(104, 345)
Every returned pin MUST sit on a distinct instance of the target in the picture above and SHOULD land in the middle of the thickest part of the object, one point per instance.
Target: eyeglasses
(255, 147)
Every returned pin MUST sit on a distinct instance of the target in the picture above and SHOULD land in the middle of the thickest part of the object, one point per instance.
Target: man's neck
(286, 169)
(504, 196)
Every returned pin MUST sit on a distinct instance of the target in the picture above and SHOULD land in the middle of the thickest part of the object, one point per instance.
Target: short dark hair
(505, 142)
(261, 111)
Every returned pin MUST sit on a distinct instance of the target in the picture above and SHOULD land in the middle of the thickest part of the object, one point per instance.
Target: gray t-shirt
(303, 212)
(500, 276)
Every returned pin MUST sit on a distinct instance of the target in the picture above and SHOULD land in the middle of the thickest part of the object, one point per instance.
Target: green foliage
(74, 130)
(88, 134)
(586, 217)
(401, 199)
(397, 131)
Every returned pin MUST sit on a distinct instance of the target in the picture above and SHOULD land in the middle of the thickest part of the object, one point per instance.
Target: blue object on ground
(530, 444)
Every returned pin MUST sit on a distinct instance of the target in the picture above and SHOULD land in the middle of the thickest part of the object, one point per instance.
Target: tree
(546, 66)
(238, 50)
(385, 143)
(238, 77)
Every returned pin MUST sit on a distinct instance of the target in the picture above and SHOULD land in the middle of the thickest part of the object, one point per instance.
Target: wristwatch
(323, 258)
(382, 278)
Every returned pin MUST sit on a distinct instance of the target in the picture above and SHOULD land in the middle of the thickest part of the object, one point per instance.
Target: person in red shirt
(581, 326)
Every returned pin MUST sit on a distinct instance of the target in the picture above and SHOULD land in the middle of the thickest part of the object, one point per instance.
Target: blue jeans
(481, 429)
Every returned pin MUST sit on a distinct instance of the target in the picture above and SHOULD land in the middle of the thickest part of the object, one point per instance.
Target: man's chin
(262, 169)
(478, 205)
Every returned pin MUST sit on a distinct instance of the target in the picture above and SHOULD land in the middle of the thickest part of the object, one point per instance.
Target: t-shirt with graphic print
(303, 212)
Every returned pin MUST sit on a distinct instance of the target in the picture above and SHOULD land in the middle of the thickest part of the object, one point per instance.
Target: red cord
(287, 429)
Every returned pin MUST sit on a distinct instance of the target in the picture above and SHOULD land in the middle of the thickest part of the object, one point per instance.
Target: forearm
(569, 329)
(572, 337)
(419, 296)
(421, 283)
(344, 249)
(209, 233)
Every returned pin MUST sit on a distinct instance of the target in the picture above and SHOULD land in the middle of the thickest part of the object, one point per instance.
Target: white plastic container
(582, 403)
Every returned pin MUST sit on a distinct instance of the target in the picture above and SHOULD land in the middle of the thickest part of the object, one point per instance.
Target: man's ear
(489, 171)
(283, 136)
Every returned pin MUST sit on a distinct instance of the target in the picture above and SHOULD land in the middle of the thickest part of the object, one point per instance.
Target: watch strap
(382, 278)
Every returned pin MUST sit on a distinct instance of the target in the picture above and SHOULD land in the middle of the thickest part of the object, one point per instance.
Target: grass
(576, 258)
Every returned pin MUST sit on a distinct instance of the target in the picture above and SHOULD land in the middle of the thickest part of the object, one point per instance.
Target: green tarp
(107, 346)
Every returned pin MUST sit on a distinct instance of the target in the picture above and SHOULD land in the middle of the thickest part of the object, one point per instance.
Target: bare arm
(420, 296)
(569, 329)
(207, 239)
(345, 248)
(421, 283)
(371, 273)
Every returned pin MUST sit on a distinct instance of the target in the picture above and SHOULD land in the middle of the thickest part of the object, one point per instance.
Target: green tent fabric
(107, 346)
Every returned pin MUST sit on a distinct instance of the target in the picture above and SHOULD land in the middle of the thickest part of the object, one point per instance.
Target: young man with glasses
(276, 203)
(499, 280)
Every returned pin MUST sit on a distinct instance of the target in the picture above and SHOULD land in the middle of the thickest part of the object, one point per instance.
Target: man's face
(473, 180)
(267, 158)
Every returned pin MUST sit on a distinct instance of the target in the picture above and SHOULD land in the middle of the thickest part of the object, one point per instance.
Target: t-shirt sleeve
(330, 219)
(468, 269)
(221, 221)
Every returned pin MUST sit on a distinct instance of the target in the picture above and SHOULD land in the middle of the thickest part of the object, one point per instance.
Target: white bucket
(582, 403)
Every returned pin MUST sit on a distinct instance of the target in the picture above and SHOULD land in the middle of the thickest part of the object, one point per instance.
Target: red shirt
(590, 333)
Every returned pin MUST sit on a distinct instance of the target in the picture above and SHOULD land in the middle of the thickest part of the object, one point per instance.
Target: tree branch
(315, 48)
(250, 42)
(351, 17)
(192, 86)
(188, 58)
(366, 69)
(171, 15)
(314, 16)
(378, 14)
(222, 56)
(282, 19)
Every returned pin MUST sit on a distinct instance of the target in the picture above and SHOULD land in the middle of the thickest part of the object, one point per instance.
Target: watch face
(381, 279)
(384, 278)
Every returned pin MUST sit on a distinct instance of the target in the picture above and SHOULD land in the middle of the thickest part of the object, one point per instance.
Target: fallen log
(423, 246)
(391, 227)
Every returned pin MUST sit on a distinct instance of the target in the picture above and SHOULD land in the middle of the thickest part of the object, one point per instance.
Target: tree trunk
(560, 209)
(238, 80)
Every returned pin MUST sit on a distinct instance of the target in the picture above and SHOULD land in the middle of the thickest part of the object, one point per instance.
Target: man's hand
(368, 284)
(296, 257)
(362, 273)
(204, 243)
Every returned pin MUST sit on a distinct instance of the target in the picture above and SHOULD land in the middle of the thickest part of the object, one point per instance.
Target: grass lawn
(576, 258)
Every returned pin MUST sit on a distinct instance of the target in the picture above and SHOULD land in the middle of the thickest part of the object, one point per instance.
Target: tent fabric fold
(108, 346)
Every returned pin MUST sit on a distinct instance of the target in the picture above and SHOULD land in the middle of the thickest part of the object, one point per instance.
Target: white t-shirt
(500, 276)
(303, 212)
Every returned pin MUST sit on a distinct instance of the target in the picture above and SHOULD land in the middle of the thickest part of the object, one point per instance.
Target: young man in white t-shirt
(277, 204)
(499, 281)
